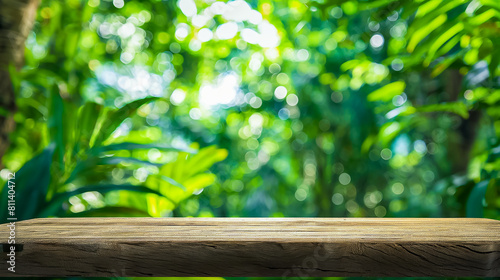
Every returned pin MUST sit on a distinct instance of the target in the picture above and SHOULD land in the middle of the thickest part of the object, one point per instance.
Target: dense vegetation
(260, 108)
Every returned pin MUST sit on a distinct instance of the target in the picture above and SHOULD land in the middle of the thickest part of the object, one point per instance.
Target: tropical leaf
(442, 39)
(85, 167)
(87, 117)
(474, 206)
(55, 204)
(55, 124)
(447, 62)
(494, 62)
(458, 108)
(110, 211)
(135, 146)
(31, 186)
(423, 32)
(115, 117)
(387, 92)
(187, 174)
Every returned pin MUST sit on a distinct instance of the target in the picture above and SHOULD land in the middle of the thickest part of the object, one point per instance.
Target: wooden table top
(279, 247)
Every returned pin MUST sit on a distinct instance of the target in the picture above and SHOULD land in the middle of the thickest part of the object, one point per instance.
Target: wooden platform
(281, 247)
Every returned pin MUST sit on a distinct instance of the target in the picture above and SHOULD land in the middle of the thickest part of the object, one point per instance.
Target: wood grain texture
(282, 247)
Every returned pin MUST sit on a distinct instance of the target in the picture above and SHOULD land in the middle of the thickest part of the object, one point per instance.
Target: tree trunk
(468, 128)
(16, 20)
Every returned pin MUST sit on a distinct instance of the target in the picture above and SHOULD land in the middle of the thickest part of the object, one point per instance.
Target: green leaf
(72, 34)
(447, 62)
(15, 77)
(442, 39)
(427, 7)
(375, 4)
(349, 65)
(105, 188)
(158, 181)
(389, 131)
(458, 108)
(491, 3)
(187, 174)
(31, 186)
(173, 182)
(423, 32)
(484, 17)
(56, 125)
(136, 146)
(387, 92)
(200, 181)
(493, 65)
(111, 211)
(84, 167)
(87, 118)
(474, 206)
(204, 159)
(118, 160)
(56, 202)
(116, 117)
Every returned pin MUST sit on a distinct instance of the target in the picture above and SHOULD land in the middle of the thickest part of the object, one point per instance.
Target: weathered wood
(282, 247)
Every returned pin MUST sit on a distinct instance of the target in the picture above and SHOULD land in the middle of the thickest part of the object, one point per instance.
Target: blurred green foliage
(84, 170)
(323, 108)
(301, 108)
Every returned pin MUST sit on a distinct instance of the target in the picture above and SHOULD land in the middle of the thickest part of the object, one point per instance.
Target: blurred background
(257, 108)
